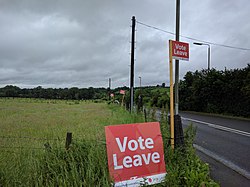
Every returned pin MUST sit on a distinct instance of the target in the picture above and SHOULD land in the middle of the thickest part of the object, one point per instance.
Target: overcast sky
(83, 43)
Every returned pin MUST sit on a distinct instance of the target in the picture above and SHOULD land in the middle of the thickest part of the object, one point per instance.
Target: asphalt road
(225, 144)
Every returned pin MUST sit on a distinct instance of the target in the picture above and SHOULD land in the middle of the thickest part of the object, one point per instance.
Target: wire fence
(30, 138)
(45, 142)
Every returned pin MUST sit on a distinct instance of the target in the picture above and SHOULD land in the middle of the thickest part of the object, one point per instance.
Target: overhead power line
(194, 39)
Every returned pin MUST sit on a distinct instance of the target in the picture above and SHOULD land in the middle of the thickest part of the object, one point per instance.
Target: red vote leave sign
(122, 92)
(180, 50)
(135, 154)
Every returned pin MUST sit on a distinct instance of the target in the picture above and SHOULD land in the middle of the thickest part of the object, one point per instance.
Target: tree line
(213, 91)
(153, 96)
(73, 93)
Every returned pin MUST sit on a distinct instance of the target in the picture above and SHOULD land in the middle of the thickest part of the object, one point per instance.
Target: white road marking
(222, 160)
(219, 127)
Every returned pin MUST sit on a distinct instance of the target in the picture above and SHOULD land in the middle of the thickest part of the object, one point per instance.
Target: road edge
(225, 162)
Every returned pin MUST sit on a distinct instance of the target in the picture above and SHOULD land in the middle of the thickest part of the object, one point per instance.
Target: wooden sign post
(179, 51)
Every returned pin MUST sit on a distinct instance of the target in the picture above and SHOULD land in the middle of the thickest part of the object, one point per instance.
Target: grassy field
(27, 124)
(32, 140)
(47, 119)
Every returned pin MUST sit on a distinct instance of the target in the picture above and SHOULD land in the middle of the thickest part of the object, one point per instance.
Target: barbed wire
(30, 138)
(46, 145)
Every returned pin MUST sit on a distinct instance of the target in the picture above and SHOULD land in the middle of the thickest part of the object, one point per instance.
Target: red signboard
(180, 50)
(135, 154)
(122, 92)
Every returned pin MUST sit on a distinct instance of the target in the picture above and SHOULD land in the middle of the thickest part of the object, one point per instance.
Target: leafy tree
(10, 91)
(215, 91)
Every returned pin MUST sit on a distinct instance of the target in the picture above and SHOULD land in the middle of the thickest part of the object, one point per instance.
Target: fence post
(145, 114)
(68, 140)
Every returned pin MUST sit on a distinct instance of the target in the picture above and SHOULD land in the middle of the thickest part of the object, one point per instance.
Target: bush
(184, 168)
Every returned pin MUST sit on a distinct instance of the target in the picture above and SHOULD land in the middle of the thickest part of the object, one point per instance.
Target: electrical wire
(194, 39)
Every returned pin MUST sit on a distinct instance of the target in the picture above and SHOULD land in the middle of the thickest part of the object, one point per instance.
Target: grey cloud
(65, 43)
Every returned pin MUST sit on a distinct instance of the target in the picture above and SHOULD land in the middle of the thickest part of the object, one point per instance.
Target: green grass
(52, 119)
(27, 125)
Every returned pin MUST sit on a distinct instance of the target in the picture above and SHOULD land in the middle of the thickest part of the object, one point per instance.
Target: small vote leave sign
(122, 92)
(135, 154)
(180, 50)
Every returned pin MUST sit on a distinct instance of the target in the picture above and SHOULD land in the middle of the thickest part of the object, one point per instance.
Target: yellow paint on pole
(171, 95)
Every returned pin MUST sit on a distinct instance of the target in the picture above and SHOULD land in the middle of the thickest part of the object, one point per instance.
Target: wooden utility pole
(132, 65)
(177, 37)
(178, 131)
(109, 92)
